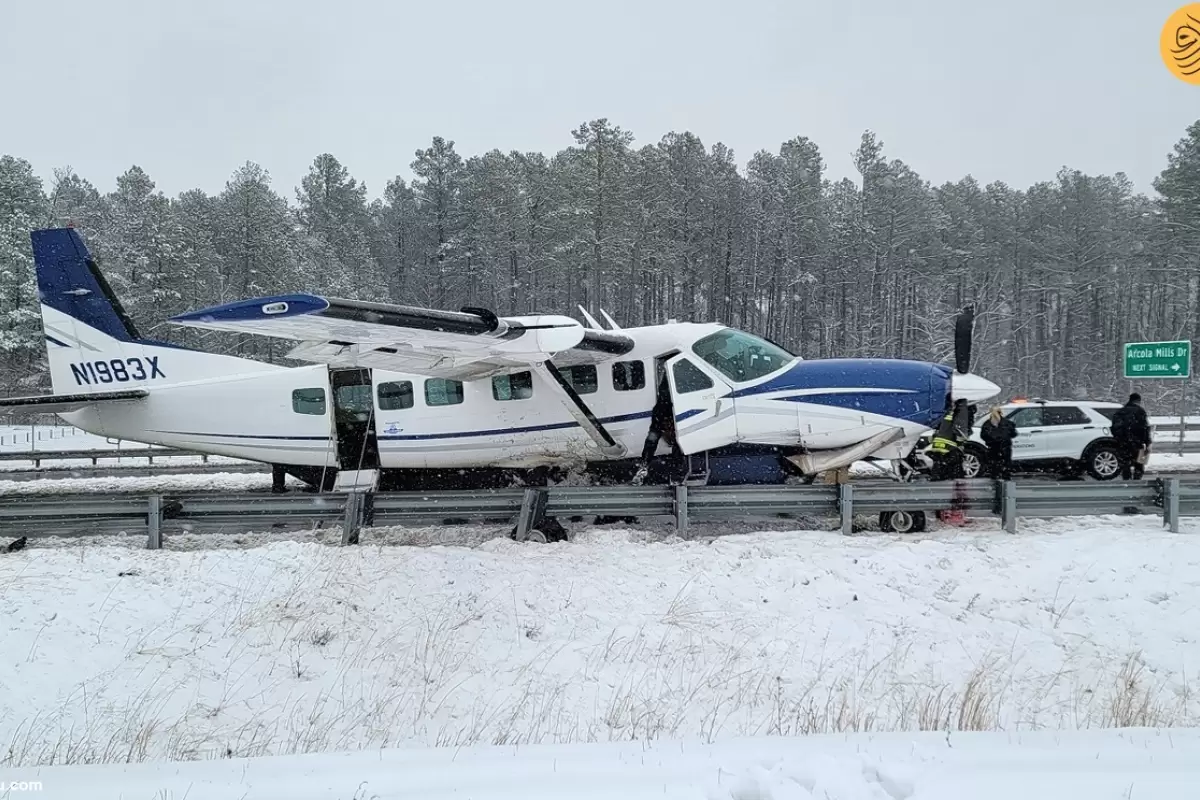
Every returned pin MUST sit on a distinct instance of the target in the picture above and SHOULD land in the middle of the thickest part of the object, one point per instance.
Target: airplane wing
(459, 345)
(56, 403)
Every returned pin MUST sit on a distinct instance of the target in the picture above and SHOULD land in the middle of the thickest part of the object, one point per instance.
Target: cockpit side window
(741, 356)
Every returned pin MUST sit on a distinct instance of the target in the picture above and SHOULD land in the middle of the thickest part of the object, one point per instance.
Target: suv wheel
(1103, 462)
(974, 459)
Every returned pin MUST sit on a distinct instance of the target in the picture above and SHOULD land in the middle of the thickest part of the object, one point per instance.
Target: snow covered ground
(1097, 765)
(115, 654)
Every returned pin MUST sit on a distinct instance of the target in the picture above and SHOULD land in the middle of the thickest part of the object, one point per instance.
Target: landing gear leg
(278, 479)
(533, 520)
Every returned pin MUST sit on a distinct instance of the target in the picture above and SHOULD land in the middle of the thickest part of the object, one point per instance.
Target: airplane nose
(972, 388)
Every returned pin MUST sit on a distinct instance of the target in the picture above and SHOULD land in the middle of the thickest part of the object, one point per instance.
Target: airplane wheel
(548, 530)
(902, 521)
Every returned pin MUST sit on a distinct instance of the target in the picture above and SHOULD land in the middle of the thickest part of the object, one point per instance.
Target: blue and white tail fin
(92, 345)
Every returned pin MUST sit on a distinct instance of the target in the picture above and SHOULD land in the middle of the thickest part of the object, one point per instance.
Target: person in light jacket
(998, 432)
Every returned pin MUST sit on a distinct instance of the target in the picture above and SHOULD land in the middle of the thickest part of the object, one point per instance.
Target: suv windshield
(741, 356)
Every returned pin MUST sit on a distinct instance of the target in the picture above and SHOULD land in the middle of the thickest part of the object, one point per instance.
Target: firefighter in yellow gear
(946, 449)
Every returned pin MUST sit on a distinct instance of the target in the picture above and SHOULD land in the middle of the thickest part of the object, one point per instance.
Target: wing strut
(580, 411)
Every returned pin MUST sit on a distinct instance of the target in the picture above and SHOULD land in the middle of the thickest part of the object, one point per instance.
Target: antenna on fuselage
(612, 325)
(591, 321)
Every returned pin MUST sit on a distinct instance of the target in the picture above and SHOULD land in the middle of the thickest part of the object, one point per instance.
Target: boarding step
(697, 469)
(356, 480)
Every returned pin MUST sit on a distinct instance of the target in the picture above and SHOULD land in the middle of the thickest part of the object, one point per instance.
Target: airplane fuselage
(312, 417)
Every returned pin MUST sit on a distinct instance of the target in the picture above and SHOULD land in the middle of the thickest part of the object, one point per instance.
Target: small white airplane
(413, 398)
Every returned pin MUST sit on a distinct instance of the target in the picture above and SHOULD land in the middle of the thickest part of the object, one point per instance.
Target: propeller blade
(964, 327)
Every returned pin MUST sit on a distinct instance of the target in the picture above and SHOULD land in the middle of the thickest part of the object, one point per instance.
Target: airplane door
(702, 404)
(354, 419)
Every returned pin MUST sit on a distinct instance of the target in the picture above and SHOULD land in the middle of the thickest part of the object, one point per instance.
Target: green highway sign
(1158, 360)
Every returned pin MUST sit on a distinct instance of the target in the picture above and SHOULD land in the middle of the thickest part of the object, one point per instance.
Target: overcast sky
(1004, 91)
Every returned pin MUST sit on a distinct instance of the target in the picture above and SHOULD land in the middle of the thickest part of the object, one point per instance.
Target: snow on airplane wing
(461, 345)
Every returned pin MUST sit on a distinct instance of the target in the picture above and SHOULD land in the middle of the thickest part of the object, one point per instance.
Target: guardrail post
(1171, 503)
(846, 506)
(1008, 509)
(681, 511)
(154, 516)
(352, 518)
(367, 514)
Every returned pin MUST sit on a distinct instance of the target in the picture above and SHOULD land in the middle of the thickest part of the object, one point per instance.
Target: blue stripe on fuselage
(914, 391)
(248, 436)
(413, 437)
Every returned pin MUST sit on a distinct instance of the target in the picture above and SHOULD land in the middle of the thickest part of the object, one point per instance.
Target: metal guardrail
(1170, 440)
(156, 515)
(95, 455)
(1180, 499)
(1173, 425)
(1085, 498)
(399, 508)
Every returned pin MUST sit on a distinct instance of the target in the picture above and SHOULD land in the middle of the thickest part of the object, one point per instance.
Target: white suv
(1052, 436)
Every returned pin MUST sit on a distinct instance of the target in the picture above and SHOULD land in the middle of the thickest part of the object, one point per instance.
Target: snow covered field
(114, 654)
(1097, 765)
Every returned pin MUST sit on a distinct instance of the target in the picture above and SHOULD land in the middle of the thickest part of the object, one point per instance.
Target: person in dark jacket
(1131, 429)
(998, 433)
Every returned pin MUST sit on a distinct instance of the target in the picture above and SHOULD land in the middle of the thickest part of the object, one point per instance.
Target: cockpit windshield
(741, 356)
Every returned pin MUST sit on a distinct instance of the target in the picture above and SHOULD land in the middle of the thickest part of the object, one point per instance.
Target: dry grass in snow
(114, 654)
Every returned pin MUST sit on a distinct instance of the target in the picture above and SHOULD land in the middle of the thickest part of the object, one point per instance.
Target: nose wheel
(902, 521)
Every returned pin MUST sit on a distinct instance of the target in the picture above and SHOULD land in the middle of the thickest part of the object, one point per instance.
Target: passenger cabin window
(741, 356)
(395, 395)
(629, 376)
(308, 401)
(518, 386)
(1063, 415)
(352, 402)
(582, 378)
(442, 392)
(689, 378)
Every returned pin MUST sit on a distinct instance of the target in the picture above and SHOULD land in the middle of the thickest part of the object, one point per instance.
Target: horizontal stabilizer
(60, 403)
